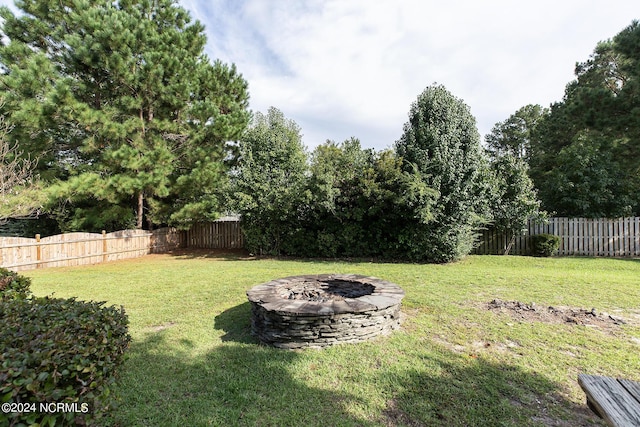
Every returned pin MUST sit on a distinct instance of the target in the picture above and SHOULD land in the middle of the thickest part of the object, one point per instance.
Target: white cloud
(353, 67)
(349, 67)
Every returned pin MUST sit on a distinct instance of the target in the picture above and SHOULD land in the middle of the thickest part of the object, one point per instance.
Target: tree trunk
(511, 242)
(140, 210)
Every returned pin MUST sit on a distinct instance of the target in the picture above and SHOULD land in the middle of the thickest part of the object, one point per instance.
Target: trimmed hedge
(13, 285)
(60, 352)
(545, 244)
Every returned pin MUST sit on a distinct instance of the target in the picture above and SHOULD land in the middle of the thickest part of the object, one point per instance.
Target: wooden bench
(614, 400)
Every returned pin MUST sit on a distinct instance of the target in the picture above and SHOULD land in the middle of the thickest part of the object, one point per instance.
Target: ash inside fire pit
(328, 290)
(322, 310)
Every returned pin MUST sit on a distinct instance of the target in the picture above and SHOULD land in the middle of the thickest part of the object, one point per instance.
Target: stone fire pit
(322, 310)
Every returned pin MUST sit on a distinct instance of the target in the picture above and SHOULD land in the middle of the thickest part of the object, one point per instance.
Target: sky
(343, 68)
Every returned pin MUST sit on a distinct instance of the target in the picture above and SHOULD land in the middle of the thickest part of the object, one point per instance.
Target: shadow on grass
(587, 258)
(633, 260)
(236, 323)
(218, 254)
(231, 385)
(245, 255)
(480, 393)
(240, 382)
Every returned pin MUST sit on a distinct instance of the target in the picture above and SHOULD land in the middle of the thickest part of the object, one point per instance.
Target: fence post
(38, 251)
(104, 246)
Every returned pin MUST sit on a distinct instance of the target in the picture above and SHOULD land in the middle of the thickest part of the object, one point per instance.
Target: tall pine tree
(129, 111)
(585, 158)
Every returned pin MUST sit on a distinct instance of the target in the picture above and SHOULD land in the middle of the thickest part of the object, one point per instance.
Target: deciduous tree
(19, 193)
(514, 199)
(364, 204)
(442, 142)
(269, 184)
(514, 135)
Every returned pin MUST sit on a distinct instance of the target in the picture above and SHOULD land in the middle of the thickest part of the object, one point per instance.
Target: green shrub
(545, 244)
(13, 285)
(441, 142)
(60, 351)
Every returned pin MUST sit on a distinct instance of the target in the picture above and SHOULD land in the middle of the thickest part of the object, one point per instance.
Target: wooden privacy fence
(17, 253)
(578, 236)
(225, 234)
(167, 239)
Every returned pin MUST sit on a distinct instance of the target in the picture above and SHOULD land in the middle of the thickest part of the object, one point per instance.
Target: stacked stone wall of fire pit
(322, 310)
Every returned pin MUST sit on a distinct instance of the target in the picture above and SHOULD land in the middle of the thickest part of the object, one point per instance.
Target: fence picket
(216, 235)
(71, 249)
(578, 236)
(597, 240)
(618, 232)
(636, 234)
(619, 237)
(627, 235)
(581, 237)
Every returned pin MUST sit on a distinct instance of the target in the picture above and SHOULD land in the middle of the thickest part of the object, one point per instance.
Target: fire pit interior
(322, 310)
(326, 290)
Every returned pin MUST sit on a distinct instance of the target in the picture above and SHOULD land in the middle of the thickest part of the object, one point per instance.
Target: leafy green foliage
(514, 199)
(442, 143)
(591, 181)
(130, 112)
(545, 245)
(423, 202)
(363, 204)
(43, 225)
(269, 186)
(349, 202)
(60, 351)
(89, 213)
(514, 135)
(13, 286)
(586, 158)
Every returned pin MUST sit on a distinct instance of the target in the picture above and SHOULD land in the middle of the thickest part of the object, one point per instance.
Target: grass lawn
(193, 361)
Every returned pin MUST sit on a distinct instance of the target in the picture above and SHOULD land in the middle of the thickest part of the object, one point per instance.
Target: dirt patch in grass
(158, 328)
(558, 314)
(394, 416)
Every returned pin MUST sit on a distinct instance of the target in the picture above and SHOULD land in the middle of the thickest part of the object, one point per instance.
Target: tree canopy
(364, 204)
(341, 200)
(424, 201)
(514, 200)
(269, 184)
(514, 135)
(442, 143)
(19, 195)
(128, 116)
(585, 159)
